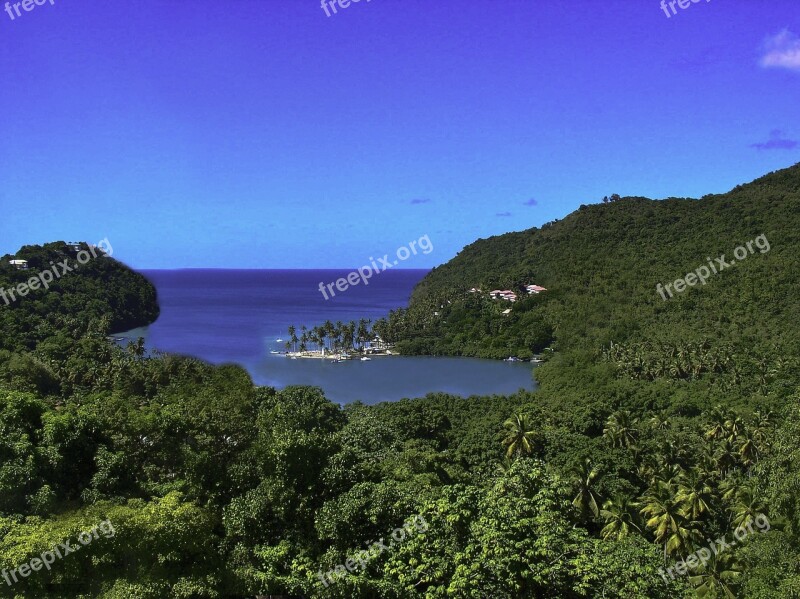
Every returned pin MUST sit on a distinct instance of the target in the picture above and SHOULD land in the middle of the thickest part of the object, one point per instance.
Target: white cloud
(782, 51)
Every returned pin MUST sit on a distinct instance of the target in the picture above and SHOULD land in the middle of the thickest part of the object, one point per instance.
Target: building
(507, 312)
(505, 294)
(19, 264)
(532, 289)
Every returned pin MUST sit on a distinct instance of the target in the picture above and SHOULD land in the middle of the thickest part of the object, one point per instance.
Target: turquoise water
(236, 316)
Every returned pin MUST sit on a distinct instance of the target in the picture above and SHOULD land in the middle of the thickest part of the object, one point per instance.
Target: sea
(240, 316)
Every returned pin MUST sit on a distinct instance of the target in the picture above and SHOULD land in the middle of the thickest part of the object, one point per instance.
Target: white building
(532, 289)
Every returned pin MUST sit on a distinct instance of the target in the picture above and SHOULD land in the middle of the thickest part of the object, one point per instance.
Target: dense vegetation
(659, 427)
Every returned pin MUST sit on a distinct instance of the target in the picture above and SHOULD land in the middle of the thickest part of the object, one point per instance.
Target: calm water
(236, 316)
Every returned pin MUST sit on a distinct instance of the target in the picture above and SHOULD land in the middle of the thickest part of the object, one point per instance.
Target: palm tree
(726, 456)
(620, 517)
(666, 517)
(716, 577)
(748, 505)
(330, 332)
(520, 438)
(503, 465)
(670, 452)
(646, 469)
(717, 427)
(363, 332)
(729, 487)
(339, 331)
(734, 426)
(667, 474)
(620, 429)
(348, 335)
(695, 492)
(587, 499)
(762, 425)
(748, 448)
(660, 421)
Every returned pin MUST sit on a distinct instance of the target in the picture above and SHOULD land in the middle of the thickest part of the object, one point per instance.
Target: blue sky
(265, 134)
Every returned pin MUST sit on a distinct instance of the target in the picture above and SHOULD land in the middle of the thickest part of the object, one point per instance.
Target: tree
(520, 439)
(695, 493)
(666, 517)
(620, 517)
(717, 577)
(587, 500)
(620, 429)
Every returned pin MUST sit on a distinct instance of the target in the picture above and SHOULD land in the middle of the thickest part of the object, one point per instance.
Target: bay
(237, 316)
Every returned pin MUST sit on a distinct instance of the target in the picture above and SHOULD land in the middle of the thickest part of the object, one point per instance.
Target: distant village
(508, 295)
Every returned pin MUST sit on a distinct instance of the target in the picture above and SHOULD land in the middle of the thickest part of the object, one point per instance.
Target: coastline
(316, 354)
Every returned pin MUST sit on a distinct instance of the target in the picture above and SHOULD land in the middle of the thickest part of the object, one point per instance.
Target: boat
(366, 359)
(274, 352)
(279, 340)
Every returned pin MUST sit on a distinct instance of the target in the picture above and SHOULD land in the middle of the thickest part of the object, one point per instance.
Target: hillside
(64, 288)
(601, 266)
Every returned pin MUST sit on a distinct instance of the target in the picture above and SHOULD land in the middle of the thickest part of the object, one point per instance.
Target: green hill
(601, 265)
(68, 294)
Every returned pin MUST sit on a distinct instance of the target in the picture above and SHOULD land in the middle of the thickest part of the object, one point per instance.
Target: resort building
(19, 264)
(377, 345)
(531, 289)
(504, 294)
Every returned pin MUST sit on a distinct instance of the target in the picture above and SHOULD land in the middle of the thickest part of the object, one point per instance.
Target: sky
(274, 134)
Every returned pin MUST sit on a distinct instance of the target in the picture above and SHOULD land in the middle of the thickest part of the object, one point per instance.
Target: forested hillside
(660, 428)
(601, 265)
